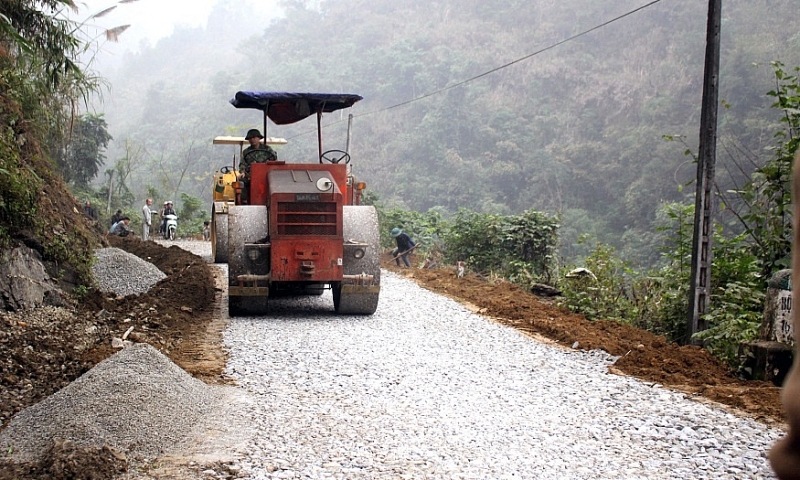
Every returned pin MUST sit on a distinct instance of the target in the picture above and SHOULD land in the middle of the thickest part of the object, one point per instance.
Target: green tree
(40, 83)
(764, 201)
(84, 155)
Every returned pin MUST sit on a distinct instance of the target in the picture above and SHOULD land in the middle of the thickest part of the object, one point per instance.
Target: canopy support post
(319, 133)
(265, 123)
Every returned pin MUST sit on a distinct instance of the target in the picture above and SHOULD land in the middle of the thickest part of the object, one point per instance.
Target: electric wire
(496, 69)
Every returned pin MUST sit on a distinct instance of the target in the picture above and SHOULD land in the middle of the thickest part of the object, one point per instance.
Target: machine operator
(257, 152)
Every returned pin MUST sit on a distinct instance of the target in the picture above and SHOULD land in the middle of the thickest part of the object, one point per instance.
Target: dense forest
(576, 130)
(500, 133)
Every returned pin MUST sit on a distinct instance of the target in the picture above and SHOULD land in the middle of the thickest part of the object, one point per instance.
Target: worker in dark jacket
(404, 246)
(116, 217)
(257, 152)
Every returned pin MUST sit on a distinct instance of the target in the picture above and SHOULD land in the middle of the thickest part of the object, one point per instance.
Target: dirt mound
(65, 460)
(641, 354)
(45, 350)
(174, 315)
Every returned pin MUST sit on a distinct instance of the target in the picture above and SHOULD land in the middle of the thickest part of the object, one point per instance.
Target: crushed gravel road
(424, 388)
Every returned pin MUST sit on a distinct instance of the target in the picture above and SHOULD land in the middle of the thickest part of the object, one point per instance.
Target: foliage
(670, 295)
(191, 215)
(43, 43)
(40, 83)
(19, 184)
(766, 197)
(659, 302)
(741, 263)
(737, 299)
(192, 207)
(519, 247)
(605, 293)
(426, 229)
(119, 175)
(83, 156)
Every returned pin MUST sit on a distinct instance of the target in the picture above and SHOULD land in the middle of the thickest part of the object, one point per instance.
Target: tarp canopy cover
(285, 107)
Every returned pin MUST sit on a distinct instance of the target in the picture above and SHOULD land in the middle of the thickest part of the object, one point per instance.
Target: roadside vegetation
(752, 241)
(41, 84)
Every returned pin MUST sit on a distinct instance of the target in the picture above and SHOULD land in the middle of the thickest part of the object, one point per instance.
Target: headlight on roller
(253, 254)
(358, 253)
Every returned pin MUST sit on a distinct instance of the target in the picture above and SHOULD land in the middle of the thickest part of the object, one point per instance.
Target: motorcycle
(170, 227)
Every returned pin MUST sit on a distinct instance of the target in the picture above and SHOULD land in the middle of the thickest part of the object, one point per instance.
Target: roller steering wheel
(336, 156)
(225, 169)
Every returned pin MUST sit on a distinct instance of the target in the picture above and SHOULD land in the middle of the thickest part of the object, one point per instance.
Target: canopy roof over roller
(284, 108)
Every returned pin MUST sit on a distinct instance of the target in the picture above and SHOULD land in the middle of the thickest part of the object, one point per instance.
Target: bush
(608, 292)
(518, 247)
(737, 299)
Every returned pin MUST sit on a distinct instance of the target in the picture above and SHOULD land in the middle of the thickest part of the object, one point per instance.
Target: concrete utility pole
(700, 294)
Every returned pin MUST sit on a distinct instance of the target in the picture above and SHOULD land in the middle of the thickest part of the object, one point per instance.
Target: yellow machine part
(223, 190)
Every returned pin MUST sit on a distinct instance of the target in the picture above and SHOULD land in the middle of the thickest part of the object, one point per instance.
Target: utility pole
(700, 289)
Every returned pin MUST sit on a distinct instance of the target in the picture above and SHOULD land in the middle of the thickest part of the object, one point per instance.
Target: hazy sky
(154, 19)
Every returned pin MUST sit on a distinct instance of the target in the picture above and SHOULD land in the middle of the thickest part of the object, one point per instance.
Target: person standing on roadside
(147, 219)
(89, 211)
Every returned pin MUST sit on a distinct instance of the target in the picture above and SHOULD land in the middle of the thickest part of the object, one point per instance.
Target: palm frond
(70, 4)
(113, 34)
(103, 12)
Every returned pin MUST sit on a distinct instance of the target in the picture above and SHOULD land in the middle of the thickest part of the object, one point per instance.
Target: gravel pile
(426, 389)
(136, 401)
(117, 271)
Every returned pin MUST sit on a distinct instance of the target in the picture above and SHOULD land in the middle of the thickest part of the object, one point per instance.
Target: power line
(501, 67)
(463, 82)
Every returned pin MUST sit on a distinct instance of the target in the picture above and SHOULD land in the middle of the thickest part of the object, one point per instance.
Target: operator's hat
(253, 132)
(396, 231)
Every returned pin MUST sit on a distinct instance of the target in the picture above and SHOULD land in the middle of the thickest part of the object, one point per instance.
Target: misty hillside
(575, 129)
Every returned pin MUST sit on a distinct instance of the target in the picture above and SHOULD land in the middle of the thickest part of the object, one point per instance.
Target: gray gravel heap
(426, 389)
(117, 271)
(136, 401)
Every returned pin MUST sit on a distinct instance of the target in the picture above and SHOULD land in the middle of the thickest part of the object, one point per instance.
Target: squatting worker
(257, 152)
(121, 228)
(404, 246)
